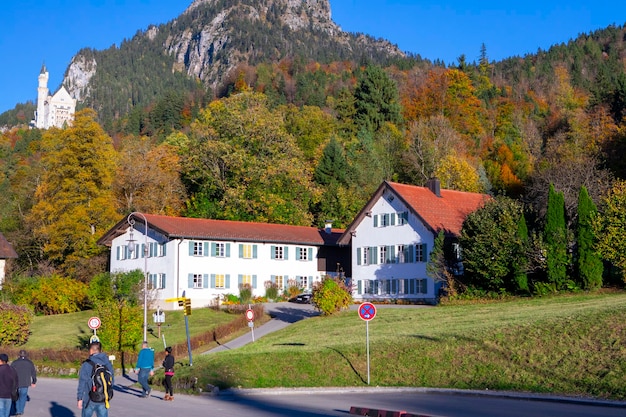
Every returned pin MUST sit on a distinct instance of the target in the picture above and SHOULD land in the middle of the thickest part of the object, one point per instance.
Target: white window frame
(220, 249)
(279, 281)
(198, 249)
(220, 281)
(160, 281)
(279, 252)
(198, 280)
(382, 255)
(245, 279)
(303, 253)
(247, 251)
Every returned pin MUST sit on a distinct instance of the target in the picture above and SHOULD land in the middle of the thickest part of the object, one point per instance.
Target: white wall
(411, 233)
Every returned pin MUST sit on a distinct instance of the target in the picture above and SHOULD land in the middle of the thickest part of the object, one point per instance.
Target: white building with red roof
(392, 237)
(207, 258)
(6, 252)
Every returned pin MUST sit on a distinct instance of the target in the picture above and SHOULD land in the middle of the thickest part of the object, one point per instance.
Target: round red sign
(367, 311)
(250, 314)
(93, 323)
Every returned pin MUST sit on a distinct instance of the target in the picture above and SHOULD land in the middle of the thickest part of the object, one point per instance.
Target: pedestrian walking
(26, 378)
(145, 368)
(168, 366)
(8, 385)
(93, 383)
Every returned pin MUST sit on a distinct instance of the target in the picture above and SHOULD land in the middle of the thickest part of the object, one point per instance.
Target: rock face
(212, 37)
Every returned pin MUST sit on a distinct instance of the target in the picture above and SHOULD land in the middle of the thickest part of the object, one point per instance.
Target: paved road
(56, 398)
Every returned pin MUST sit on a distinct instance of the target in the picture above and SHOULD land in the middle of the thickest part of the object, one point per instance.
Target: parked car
(302, 298)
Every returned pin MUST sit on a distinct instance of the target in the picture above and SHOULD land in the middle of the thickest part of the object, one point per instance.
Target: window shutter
(359, 286)
(228, 250)
(286, 252)
(299, 281)
(392, 219)
(285, 280)
(240, 279)
(163, 282)
(386, 219)
(164, 249)
(273, 249)
(190, 281)
(394, 286)
(205, 252)
(412, 286)
(254, 251)
(310, 282)
(212, 280)
(213, 249)
(118, 252)
(373, 255)
(358, 256)
(191, 244)
(227, 281)
(240, 250)
(375, 220)
(253, 281)
(310, 254)
(389, 255)
(425, 252)
(273, 278)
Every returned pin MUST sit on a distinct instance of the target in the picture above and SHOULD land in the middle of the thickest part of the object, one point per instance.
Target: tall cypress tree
(555, 235)
(588, 263)
(521, 258)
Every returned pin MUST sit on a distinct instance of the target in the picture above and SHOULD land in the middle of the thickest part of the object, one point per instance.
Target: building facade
(393, 235)
(6, 252)
(206, 259)
(55, 110)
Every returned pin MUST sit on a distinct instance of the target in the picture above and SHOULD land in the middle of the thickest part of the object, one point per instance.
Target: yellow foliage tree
(457, 173)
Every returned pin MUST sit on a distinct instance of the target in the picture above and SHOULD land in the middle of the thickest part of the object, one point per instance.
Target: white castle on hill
(53, 111)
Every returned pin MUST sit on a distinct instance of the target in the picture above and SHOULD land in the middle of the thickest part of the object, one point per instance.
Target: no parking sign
(367, 311)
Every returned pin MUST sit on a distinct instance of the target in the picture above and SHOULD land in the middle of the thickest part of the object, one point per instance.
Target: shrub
(245, 293)
(292, 288)
(14, 324)
(331, 295)
(50, 295)
(271, 290)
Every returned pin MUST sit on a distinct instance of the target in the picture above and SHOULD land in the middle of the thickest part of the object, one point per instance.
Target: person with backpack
(145, 368)
(26, 378)
(95, 383)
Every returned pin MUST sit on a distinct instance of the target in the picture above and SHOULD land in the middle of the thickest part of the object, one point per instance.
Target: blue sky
(52, 31)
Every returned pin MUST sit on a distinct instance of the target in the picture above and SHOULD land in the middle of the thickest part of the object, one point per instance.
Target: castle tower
(42, 98)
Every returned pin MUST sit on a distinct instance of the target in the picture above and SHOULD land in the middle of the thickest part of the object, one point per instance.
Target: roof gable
(209, 229)
(446, 213)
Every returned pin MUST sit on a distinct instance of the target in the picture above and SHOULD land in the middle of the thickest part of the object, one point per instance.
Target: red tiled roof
(193, 228)
(447, 212)
(6, 250)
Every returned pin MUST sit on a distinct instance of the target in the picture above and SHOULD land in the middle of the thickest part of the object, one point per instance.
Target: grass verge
(573, 345)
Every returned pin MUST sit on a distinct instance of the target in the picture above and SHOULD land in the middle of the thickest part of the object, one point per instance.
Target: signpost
(250, 318)
(186, 304)
(159, 318)
(94, 324)
(367, 311)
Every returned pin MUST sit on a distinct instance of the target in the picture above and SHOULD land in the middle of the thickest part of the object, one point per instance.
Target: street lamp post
(131, 247)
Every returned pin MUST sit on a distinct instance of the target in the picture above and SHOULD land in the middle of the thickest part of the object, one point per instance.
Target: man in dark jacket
(8, 385)
(26, 378)
(84, 382)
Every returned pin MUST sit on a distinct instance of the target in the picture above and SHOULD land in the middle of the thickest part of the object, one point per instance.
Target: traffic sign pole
(367, 311)
(250, 317)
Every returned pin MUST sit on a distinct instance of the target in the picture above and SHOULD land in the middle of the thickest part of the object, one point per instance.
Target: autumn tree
(456, 173)
(74, 202)
(242, 164)
(148, 178)
(610, 227)
(588, 263)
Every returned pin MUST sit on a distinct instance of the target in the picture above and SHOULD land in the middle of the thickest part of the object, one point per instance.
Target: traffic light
(180, 302)
(187, 307)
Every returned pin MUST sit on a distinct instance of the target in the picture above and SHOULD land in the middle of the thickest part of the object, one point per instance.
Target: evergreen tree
(521, 260)
(555, 235)
(376, 99)
(333, 166)
(589, 265)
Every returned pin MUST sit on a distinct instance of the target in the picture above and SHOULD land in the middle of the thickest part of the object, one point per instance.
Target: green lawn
(573, 344)
(67, 330)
